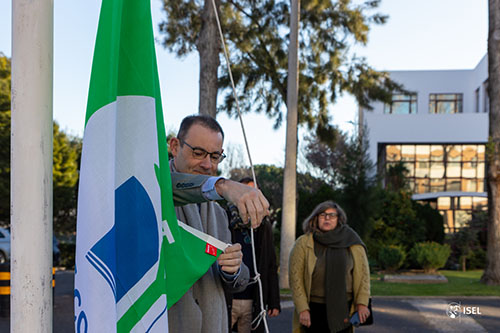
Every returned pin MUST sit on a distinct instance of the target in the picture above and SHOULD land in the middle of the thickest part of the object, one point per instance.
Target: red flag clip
(210, 249)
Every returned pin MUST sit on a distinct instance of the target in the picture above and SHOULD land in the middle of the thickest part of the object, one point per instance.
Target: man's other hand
(230, 260)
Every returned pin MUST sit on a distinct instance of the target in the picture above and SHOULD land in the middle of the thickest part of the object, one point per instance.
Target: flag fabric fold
(133, 261)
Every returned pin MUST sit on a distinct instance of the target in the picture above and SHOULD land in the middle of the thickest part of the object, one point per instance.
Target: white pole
(288, 219)
(31, 166)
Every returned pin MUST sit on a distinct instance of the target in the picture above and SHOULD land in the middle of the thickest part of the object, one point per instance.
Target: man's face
(197, 136)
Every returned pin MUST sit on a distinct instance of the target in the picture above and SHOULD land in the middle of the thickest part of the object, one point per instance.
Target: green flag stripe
(124, 59)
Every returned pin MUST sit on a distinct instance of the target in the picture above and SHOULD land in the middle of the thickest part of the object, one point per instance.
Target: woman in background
(328, 273)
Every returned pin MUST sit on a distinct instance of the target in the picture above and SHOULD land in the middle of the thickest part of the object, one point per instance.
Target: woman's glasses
(328, 216)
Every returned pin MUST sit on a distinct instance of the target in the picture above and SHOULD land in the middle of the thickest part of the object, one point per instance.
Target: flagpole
(31, 166)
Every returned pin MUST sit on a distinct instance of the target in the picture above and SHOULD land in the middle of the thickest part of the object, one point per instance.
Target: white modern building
(439, 133)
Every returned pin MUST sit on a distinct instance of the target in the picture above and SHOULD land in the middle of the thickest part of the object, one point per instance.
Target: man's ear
(174, 146)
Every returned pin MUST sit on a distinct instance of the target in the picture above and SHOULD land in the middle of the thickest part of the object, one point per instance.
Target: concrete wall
(467, 127)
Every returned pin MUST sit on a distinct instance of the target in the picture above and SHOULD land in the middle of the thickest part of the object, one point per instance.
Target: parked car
(5, 247)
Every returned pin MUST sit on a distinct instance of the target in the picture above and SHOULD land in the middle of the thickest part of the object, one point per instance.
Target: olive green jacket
(301, 267)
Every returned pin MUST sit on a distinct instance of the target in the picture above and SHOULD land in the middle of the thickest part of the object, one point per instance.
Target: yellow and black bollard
(5, 289)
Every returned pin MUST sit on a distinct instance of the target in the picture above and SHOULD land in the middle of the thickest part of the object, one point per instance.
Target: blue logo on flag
(130, 248)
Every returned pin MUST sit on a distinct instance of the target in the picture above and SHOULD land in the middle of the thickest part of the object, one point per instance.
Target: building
(439, 133)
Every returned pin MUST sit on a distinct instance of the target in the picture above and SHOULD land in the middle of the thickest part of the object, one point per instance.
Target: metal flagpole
(31, 166)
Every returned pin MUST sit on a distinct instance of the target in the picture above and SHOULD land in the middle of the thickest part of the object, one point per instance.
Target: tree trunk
(491, 275)
(288, 220)
(208, 45)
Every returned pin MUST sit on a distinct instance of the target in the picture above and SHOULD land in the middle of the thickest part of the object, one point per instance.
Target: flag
(133, 260)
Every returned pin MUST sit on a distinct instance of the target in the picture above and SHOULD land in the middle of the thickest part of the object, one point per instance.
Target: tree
(191, 25)
(311, 190)
(327, 159)
(4, 83)
(358, 185)
(491, 275)
(256, 33)
(395, 223)
(4, 139)
(66, 154)
(347, 167)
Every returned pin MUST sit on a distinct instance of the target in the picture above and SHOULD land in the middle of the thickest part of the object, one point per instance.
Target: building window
(476, 101)
(402, 104)
(441, 167)
(486, 102)
(445, 103)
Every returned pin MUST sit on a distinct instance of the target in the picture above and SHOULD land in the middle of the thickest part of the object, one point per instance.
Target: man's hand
(230, 260)
(250, 201)
(273, 312)
(305, 318)
(363, 312)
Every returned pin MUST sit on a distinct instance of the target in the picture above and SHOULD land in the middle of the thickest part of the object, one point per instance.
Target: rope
(262, 313)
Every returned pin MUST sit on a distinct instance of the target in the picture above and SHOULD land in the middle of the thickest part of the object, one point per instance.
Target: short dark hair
(246, 180)
(310, 224)
(203, 120)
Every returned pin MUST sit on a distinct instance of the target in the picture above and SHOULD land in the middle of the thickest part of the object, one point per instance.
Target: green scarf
(337, 242)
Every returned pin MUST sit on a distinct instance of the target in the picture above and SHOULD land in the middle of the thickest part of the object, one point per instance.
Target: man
(197, 150)
(246, 304)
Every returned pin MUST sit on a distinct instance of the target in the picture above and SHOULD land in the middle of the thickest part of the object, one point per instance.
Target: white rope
(262, 313)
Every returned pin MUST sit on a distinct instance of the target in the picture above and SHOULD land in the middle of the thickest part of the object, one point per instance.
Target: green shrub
(433, 221)
(477, 259)
(430, 255)
(391, 257)
(67, 255)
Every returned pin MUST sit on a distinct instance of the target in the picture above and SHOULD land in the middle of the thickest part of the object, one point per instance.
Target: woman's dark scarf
(337, 242)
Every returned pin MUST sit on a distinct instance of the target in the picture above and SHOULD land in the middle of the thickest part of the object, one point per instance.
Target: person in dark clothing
(244, 306)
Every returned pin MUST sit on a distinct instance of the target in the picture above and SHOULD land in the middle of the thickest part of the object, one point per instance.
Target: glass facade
(402, 104)
(445, 103)
(444, 168)
(440, 168)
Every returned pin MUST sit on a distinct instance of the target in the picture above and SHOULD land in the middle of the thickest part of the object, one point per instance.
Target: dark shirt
(242, 236)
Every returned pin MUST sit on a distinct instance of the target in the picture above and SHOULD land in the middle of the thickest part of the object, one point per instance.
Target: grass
(459, 284)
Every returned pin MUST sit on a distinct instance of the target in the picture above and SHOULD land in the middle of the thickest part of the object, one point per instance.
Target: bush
(396, 223)
(430, 255)
(467, 244)
(477, 259)
(67, 255)
(391, 257)
(433, 221)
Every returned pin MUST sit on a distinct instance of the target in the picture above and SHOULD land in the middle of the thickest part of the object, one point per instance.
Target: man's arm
(251, 203)
(187, 188)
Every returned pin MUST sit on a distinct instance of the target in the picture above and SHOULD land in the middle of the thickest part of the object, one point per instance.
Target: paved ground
(391, 314)
(416, 314)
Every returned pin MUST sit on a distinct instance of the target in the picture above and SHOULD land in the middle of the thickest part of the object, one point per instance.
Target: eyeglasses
(200, 153)
(328, 216)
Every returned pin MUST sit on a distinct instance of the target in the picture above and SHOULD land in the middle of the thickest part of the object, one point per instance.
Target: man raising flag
(130, 249)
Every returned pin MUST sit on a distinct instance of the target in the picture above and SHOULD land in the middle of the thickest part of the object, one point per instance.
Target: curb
(436, 297)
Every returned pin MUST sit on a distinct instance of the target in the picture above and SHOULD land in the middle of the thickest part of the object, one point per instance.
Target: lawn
(459, 284)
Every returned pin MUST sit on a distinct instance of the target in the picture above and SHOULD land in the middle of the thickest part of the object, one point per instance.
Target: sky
(424, 34)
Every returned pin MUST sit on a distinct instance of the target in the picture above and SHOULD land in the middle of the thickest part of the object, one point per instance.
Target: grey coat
(203, 308)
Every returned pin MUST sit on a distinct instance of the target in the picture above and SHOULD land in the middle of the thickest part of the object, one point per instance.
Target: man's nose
(206, 162)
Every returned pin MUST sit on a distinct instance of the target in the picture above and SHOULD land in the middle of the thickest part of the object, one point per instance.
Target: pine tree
(256, 33)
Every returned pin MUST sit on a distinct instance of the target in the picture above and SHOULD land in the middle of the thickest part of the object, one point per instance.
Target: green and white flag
(133, 261)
